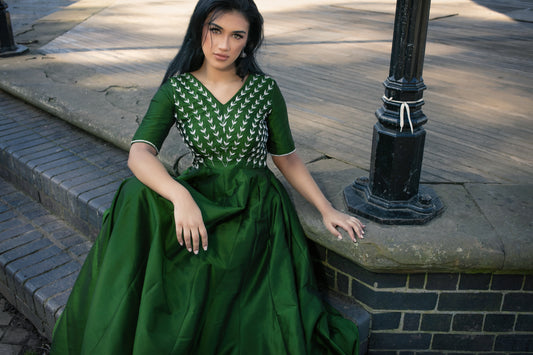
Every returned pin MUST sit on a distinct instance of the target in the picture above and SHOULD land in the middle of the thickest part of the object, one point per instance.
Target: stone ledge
(476, 233)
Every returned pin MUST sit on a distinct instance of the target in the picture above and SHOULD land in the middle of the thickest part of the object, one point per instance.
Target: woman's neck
(223, 85)
(214, 76)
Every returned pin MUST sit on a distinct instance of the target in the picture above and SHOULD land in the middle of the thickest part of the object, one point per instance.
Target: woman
(214, 261)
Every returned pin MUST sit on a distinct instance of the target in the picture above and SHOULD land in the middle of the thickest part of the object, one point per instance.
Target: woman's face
(224, 39)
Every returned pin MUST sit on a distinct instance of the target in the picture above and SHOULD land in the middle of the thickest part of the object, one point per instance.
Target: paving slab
(110, 69)
(508, 210)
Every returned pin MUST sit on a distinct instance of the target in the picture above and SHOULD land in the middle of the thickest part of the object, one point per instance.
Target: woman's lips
(221, 56)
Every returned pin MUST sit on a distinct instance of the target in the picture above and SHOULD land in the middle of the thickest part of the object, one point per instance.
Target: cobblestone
(17, 335)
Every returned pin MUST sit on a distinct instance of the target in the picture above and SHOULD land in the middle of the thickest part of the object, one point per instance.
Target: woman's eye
(237, 36)
(214, 30)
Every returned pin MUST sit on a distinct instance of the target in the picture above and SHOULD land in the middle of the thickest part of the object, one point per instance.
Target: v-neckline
(214, 97)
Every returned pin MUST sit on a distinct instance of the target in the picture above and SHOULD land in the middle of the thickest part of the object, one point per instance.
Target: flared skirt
(252, 292)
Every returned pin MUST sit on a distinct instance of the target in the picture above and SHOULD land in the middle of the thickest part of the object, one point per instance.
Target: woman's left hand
(333, 218)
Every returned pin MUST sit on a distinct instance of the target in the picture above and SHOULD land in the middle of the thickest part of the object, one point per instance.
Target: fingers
(203, 235)
(190, 228)
(334, 231)
(353, 226)
(186, 235)
(195, 240)
(350, 229)
(179, 234)
(192, 238)
(357, 226)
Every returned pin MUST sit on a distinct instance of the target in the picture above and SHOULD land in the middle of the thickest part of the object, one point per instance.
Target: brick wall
(436, 313)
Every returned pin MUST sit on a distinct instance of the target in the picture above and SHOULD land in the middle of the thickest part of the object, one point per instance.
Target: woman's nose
(224, 43)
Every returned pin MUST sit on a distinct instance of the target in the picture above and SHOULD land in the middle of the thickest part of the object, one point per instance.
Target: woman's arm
(296, 173)
(150, 171)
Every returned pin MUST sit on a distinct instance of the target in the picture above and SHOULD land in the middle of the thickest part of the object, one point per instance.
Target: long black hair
(190, 56)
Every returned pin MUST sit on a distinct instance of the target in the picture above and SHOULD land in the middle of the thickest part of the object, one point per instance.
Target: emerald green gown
(252, 291)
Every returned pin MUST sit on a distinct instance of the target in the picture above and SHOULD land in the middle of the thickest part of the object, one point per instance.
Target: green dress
(252, 291)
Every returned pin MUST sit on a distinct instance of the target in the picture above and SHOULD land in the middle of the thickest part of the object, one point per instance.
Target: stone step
(40, 257)
(57, 181)
(73, 175)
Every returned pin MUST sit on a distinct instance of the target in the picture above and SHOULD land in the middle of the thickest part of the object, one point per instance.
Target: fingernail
(196, 252)
(339, 237)
(205, 248)
(189, 249)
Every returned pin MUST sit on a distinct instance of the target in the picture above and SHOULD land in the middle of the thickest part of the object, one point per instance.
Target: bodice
(231, 134)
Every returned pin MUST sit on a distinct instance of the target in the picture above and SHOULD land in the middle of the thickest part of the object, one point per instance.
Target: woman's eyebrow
(214, 24)
(221, 28)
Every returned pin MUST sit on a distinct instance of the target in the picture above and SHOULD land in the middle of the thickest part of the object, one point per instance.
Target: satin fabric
(252, 291)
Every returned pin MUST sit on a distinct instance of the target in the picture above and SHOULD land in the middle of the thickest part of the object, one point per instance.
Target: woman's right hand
(190, 228)
(150, 171)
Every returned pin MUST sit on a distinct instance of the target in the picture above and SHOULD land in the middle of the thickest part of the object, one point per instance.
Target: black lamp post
(392, 194)
(8, 47)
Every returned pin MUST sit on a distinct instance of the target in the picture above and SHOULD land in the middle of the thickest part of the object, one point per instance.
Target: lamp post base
(420, 209)
(18, 50)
